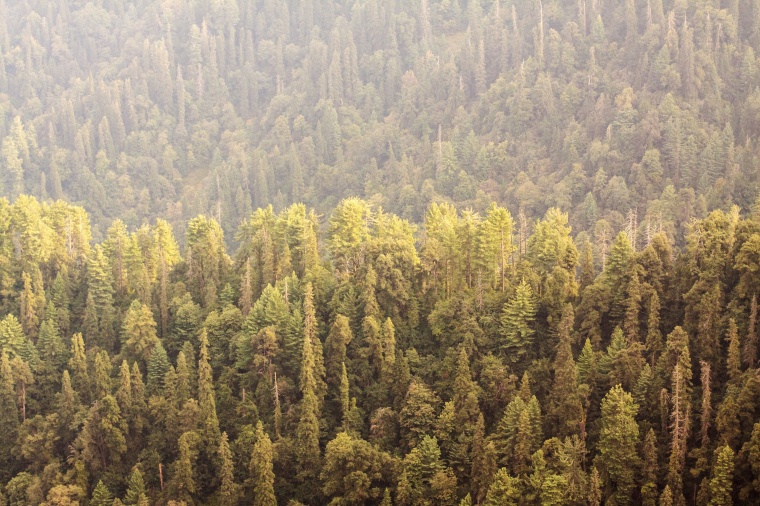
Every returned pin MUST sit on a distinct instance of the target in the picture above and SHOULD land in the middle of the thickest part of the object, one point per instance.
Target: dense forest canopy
(406, 253)
(605, 109)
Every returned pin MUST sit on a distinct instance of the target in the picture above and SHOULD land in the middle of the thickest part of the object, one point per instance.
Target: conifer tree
(733, 359)
(565, 401)
(335, 350)
(184, 483)
(183, 379)
(680, 397)
(139, 331)
(345, 401)
(101, 496)
(78, 367)
(101, 380)
(389, 346)
(261, 470)
(228, 489)
(158, 365)
(504, 490)
(517, 319)
(483, 461)
(206, 397)
(721, 484)
(311, 332)
(307, 431)
(9, 419)
(12, 338)
(649, 470)
(135, 489)
(618, 440)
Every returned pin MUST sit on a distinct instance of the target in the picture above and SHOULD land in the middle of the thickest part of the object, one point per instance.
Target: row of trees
(365, 361)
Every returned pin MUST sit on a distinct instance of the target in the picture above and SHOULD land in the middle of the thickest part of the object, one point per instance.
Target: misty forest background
(377, 252)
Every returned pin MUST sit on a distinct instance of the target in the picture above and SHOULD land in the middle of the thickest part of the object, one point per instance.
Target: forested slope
(606, 109)
(455, 363)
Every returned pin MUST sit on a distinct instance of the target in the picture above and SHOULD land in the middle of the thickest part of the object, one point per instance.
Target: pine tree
(721, 484)
(78, 367)
(618, 440)
(504, 490)
(307, 431)
(228, 489)
(733, 359)
(517, 320)
(206, 397)
(566, 404)
(483, 458)
(101, 496)
(311, 332)
(124, 392)
(183, 479)
(680, 396)
(139, 332)
(335, 350)
(135, 489)
(345, 401)
(388, 346)
(649, 470)
(261, 470)
(158, 365)
(101, 380)
(12, 338)
(594, 488)
(9, 421)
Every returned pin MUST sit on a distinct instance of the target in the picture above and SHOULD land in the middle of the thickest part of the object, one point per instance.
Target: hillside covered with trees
(365, 252)
(456, 363)
(605, 109)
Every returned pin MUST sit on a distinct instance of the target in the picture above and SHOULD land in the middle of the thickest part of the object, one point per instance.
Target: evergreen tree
(228, 489)
(261, 471)
(517, 319)
(307, 432)
(136, 494)
(504, 490)
(721, 484)
(206, 397)
(565, 401)
(9, 418)
(101, 496)
(618, 440)
(158, 365)
(139, 331)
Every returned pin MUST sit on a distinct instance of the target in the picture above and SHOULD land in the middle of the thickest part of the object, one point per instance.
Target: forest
(364, 252)
(456, 363)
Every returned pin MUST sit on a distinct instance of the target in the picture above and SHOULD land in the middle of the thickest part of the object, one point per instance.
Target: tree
(721, 484)
(103, 435)
(206, 397)
(307, 431)
(618, 440)
(228, 489)
(158, 366)
(504, 490)
(9, 421)
(183, 482)
(354, 471)
(101, 496)
(517, 319)
(424, 477)
(139, 331)
(261, 471)
(566, 403)
(135, 489)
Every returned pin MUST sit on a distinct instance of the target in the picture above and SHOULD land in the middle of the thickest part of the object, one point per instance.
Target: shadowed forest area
(411, 253)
